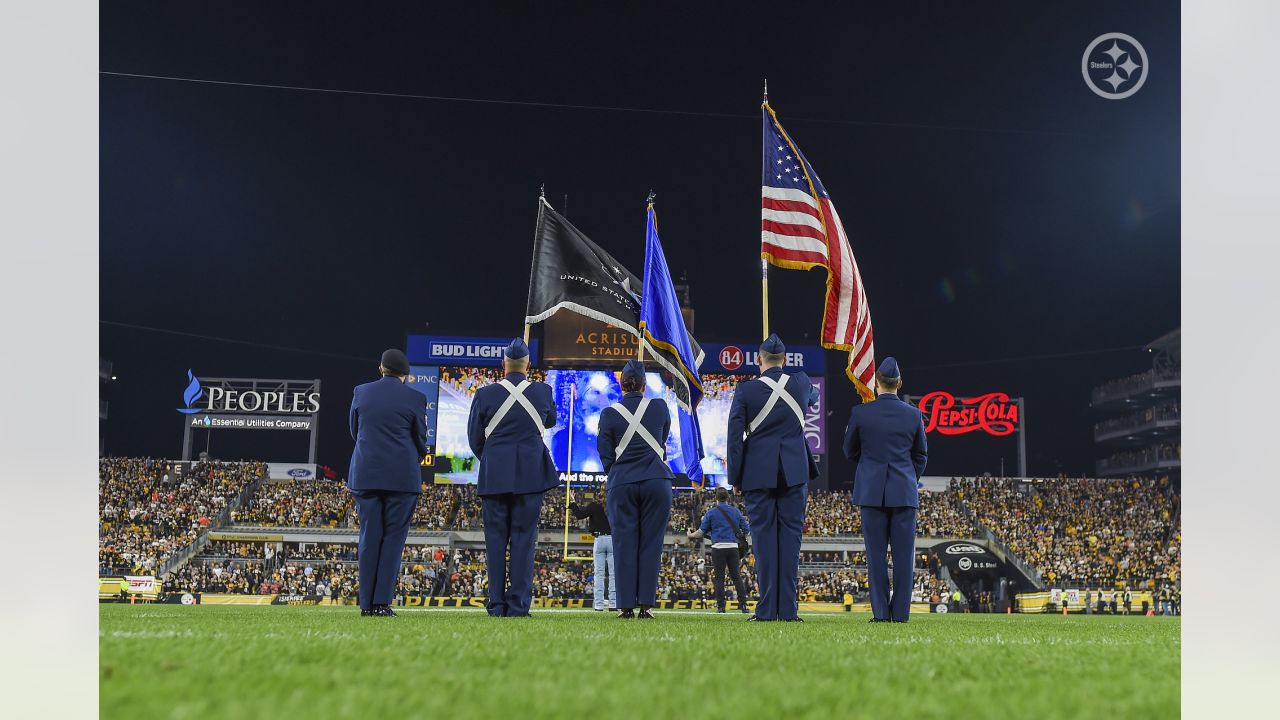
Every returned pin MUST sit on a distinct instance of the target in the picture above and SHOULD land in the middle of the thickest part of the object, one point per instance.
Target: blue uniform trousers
(384, 527)
(638, 514)
(883, 527)
(510, 523)
(777, 523)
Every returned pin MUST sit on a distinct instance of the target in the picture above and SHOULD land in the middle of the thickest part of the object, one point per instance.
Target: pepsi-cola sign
(993, 413)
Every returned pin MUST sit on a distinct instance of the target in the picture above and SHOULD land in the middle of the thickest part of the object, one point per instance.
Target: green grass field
(172, 661)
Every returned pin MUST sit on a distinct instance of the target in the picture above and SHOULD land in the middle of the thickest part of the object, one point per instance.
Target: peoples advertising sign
(993, 413)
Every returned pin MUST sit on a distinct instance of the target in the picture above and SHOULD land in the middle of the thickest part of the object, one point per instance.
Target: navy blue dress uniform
(769, 461)
(388, 423)
(885, 438)
(505, 432)
(632, 445)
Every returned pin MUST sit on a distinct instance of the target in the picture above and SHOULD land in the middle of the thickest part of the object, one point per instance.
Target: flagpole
(648, 208)
(764, 297)
(537, 225)
(764, 262)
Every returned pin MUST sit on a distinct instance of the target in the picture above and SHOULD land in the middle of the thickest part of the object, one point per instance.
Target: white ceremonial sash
(515, 394)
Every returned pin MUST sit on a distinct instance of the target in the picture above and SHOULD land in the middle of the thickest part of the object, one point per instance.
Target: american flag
(799, 229)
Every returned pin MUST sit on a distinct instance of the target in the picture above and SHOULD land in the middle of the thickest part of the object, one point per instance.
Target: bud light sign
(466, 351)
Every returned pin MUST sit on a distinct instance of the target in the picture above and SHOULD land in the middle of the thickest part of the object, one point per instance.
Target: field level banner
(291, 471)
(1051, 601)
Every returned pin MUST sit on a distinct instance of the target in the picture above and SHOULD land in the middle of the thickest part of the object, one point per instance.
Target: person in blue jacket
(721, 523)
(632, 444)
(769, 462)
(505, 429)
(387, 422)
(885, 439)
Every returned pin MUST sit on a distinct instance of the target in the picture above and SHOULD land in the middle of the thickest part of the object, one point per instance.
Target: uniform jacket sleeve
(475, 427)
(705, 527)
(549, 418)
(419, 424)
(354, 419)
(666, 433)
(852, 443)
(920, 450)
(607, 440)
(733, 441)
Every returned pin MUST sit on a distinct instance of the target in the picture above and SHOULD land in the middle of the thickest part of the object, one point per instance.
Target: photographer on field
(721, 523)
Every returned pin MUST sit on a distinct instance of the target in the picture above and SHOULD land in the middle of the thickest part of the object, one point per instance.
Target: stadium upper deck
(1143, 429)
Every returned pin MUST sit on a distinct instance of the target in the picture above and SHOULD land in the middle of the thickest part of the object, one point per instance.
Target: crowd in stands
(337, 580)
(832, 513)
(149, 510)
(469, 515)
(1145, 457)
(468, 380)
(1084, 532)
(435, 508)
(1136, 381)
(1163, 412)
(458, 507)
(297, 503)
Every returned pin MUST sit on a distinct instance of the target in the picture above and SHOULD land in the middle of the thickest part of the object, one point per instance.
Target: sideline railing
(985, 533)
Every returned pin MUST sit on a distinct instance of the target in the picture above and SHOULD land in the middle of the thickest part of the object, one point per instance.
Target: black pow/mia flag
(570, 272)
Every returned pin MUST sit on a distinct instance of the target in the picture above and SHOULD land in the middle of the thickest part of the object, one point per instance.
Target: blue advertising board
(426, 380)
(740, 358)
(463, 351)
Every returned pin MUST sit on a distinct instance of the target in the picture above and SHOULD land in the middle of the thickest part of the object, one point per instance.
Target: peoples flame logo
(191, 394)
(993, 413)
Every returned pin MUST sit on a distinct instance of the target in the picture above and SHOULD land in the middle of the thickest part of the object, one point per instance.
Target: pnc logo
(193, 393)
(993, 413)
(731, 357)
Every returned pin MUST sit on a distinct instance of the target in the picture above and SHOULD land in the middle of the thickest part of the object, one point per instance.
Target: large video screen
(575, 433)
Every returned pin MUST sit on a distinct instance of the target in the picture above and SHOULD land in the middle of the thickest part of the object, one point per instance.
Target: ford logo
(299, 473)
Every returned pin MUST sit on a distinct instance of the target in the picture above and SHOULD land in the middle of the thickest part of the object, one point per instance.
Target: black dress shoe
(644, 614)
(900, 621)
(878, 620)
(794, 619)
(384, 611)
(367, 612)
(757, 618)
(626, 614)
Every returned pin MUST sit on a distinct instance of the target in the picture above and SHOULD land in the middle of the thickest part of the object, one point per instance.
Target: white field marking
(316, 634)
(147, 634)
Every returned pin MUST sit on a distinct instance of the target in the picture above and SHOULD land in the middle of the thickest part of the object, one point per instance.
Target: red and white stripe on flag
(799, 232)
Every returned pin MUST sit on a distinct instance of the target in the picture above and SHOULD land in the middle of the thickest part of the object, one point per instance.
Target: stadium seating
(1085, 533)
(1075, 533)
(148, 511)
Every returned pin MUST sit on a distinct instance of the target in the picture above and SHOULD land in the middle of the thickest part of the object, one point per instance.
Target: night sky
(998, 209)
